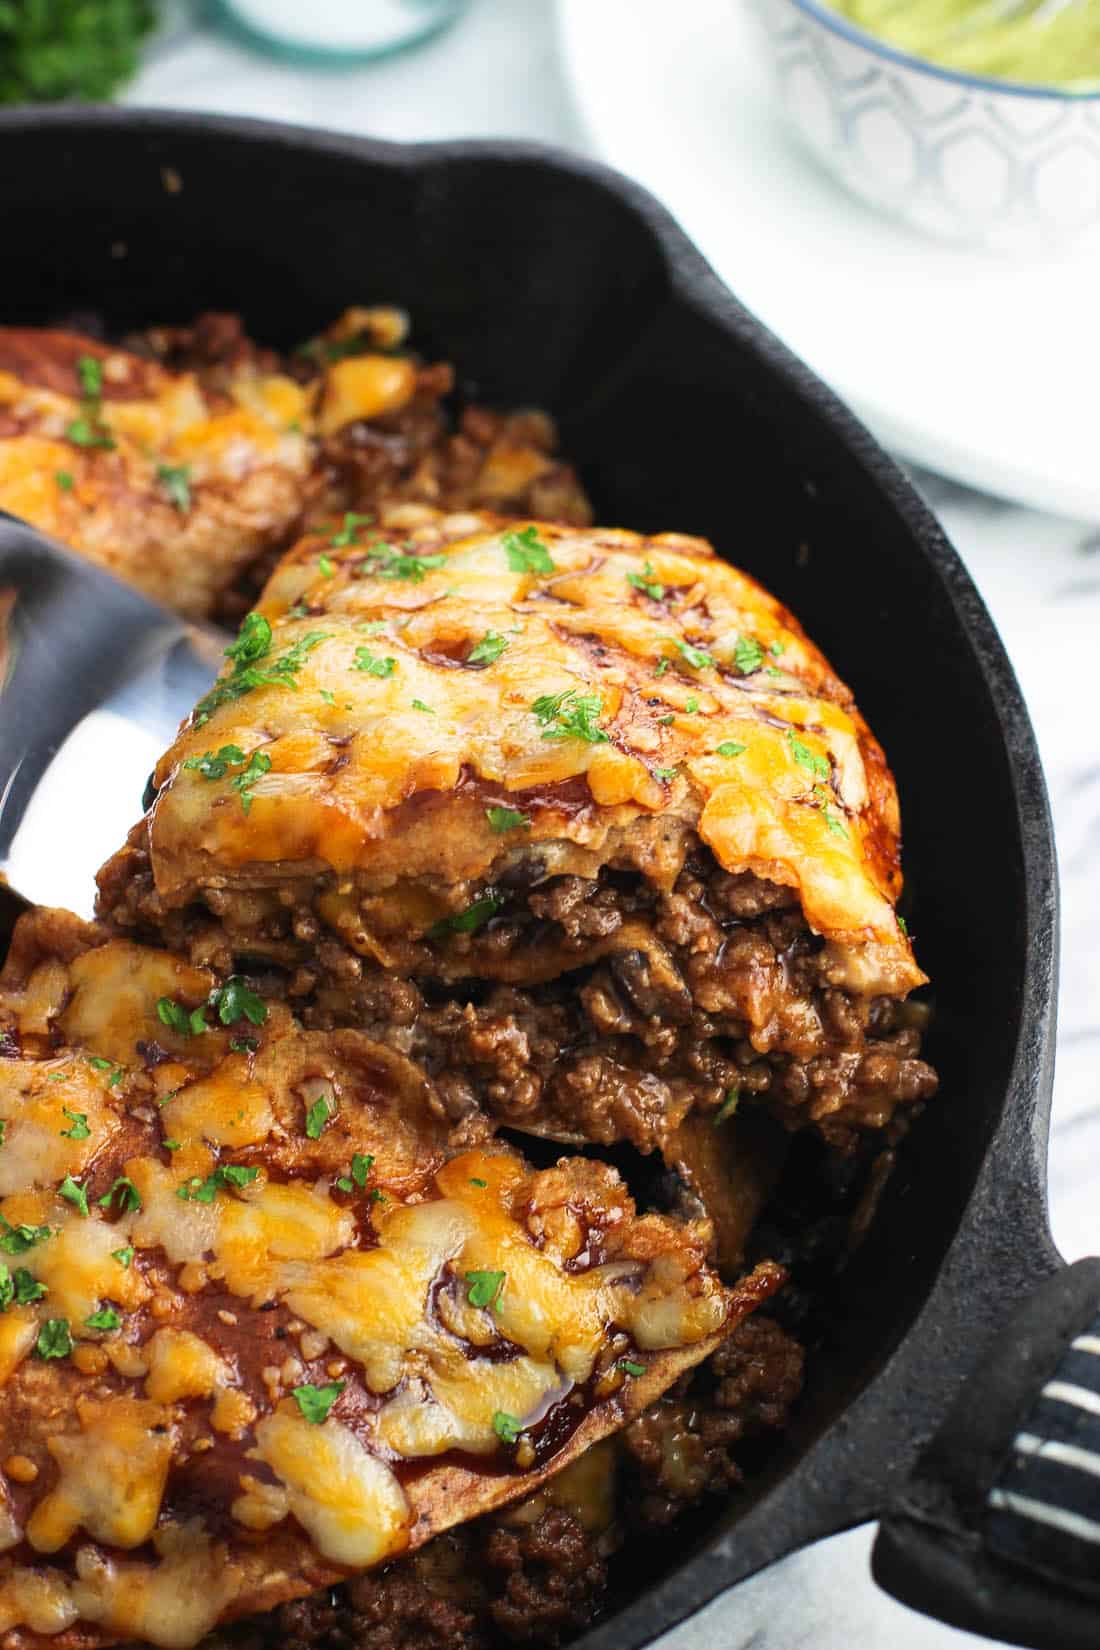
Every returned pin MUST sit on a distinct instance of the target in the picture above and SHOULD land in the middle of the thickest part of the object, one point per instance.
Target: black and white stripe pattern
(1044, 1509)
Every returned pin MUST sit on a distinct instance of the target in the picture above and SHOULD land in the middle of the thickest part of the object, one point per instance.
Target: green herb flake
(327, 566)
(661, 666)
(179, 1019)
(252, 645)
(823, 801)
(748, 655)
(197, 1190)
(506, 819)
(176, 481)
(697, 657)
(127, 1194)
(629, 1367)
(903, 925)
(573, 715)
(692, 707)
(23, 1289)
(106, 1318)
(329, 698)
(361, 1165)
(418, 704)
(90, 372)
(216, 764)
(259, 763)
(665, 775)
(74, 1194)
(777, 649)
(371, 665)
(235, 1000)
(64, 480)
(79, 1121)
(16, 1240)
(469, 921)
(54, 1339)
(807, 758)
(125, 1257)
(316, 1401)
(172, 1145)
(731, 747)
(243, 1045)
(346, 534)
(317, 1117)
(506, 1427)
(485, 1289)
(526, 552)
(647, 582)
(727, 1108)
(489, 649)
(88, 432)
(474, 1181)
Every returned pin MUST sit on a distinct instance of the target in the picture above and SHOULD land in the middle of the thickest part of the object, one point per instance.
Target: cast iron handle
(998, 1530)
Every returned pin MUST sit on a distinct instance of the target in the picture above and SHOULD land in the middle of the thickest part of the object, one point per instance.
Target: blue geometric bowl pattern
(1014, 169)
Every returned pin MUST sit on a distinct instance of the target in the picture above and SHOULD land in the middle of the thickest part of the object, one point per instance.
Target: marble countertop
(495, 74)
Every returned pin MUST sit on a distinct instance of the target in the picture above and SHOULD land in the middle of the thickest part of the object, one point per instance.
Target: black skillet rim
(848, 1473)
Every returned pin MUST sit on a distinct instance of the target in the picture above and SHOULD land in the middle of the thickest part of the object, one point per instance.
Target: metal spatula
(94, 680)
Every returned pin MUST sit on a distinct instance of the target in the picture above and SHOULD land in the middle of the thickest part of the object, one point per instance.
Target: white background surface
(499, 73)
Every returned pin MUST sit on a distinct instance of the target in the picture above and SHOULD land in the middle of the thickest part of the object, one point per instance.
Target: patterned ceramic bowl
(1015, 168)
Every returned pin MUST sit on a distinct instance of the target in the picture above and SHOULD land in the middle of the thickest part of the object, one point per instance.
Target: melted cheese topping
(706, 703)
(112, 1479)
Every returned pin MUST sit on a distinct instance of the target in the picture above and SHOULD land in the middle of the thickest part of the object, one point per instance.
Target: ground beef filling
(537, 1574)
(664, 1003)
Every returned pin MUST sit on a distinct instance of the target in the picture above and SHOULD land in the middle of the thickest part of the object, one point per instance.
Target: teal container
(335, 33)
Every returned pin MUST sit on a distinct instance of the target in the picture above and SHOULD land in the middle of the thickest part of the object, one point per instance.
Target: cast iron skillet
(555, 283)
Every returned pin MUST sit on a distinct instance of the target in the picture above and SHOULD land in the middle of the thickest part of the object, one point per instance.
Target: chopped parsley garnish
(748, 655)
(807, 758)
(661, 666)
(506, 1427)
(185, 1022)
(90, 373)
(326, 566)
(902, 924)
(259, 763)
(197, 1190)
(99, 1063)
(418, 704)
(172, 1145)
(243, 1045)
(316, 1401)
(372, 665)
(490, 648)
(373, 627)
(124, 1257)
(105, 1318)
(474, 1181)
(115, 1078)
(629, 1367)
(526, 552)
(74, 1194)
(346, 534)
(343, 1184)
(236, 1001)
(361, 1165)
(647, 581)
(54, 1339)
(470, 920)
(3, 1129)
(575, 715)
(176, 481)
(16, 1240)
(317, 1117)
(692, 707)
(731, 747)
(23, 1289)
(252, 645)
(64, 480)
(506, 819)
(485, 1289)
(127, 1194)
(665, 775)
(79, 1121)
(727, 1108)
(384, 562)
(823, 800)
(777, 649)
(216, 764)
(88, 432)
(697, 657)
(329, 698)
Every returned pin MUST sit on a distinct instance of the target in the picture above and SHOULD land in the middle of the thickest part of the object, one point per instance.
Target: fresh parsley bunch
(51, 50)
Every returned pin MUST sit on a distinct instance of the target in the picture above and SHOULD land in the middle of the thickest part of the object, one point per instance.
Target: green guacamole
(1034, 42)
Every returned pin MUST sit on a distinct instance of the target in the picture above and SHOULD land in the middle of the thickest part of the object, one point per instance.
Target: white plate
(986, 371)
